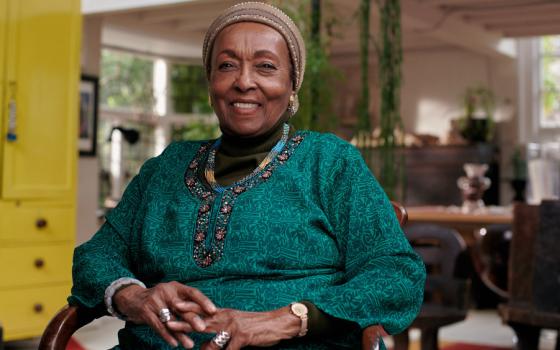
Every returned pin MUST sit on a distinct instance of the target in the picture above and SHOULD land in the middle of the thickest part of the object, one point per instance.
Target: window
(189, 89)
(549, 90)
(146, 102)
(126, 81)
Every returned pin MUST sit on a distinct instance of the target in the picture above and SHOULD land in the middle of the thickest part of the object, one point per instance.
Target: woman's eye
(267, 66)
(225, 65)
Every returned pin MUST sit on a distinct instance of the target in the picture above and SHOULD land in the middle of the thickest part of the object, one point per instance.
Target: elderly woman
(265, 237)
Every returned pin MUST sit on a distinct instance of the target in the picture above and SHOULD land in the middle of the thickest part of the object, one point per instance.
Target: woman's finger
(186, 341)
(210, 346)
(198, 297)
(194, 320)
(180, 307)
(234, 344)
(179, 326)
(154, 322)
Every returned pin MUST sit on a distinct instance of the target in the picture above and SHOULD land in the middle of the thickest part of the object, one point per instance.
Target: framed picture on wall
(87, 126)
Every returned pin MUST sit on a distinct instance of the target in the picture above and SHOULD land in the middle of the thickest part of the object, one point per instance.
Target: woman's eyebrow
(228, 52)
(266, 53)
(259, 53)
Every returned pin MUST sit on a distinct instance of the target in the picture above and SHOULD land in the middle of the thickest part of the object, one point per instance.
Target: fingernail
(189, 344)
(212, 308)
(201, 324)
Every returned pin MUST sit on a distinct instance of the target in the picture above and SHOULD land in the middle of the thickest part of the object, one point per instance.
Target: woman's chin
(246, 126)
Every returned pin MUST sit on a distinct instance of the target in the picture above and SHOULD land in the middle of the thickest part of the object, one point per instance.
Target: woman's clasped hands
(192, 311)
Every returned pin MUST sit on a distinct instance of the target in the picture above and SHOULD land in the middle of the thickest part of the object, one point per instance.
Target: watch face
(299, 309)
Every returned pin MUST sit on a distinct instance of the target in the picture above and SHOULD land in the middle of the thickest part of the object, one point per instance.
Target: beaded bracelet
(114, 288)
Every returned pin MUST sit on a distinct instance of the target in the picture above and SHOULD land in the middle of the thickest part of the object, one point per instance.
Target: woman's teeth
(245, 105)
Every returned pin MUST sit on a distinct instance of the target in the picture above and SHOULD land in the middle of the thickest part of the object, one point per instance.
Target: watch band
(300, 310)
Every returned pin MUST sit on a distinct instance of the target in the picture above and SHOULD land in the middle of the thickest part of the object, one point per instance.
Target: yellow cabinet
(36, 265)
(35, 222)
(41, 87)
(39, 76)
(3, 25)
(29, 310)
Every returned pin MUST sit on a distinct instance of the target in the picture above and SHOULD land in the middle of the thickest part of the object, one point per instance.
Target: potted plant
(477, 125)
(518, 181)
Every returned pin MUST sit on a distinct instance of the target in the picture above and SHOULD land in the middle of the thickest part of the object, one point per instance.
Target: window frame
(543, 123)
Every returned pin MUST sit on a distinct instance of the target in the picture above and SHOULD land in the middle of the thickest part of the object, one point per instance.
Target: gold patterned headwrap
(260, 13)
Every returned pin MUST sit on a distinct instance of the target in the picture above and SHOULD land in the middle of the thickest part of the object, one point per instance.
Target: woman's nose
(245, 80)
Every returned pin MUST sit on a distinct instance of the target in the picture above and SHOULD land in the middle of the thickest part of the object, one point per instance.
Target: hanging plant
(364, 120)
(387, 165)
(390, 78)
(316, 93)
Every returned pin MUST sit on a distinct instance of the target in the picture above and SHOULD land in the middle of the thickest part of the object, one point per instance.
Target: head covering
(260, 13)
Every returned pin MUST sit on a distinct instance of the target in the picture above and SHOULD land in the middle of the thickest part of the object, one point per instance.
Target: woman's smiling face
(250, 79)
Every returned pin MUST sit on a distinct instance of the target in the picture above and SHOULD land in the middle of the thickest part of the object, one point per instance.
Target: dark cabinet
(431, 172)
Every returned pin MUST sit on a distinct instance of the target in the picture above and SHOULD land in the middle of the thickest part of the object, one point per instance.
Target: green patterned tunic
(313, 225)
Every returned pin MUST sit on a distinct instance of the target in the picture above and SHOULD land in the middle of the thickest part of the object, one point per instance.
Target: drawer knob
(41, 223)
(38, 308)
(39, 263)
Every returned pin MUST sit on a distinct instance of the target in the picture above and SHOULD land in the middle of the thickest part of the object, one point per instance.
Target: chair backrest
(491, 256)
(439, 247)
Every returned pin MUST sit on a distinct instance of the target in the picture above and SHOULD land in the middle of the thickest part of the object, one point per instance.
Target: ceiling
(510, 18)
(484, 26)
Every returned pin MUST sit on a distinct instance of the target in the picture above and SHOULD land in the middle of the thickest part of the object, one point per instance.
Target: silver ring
(221, 339)
(164, 315)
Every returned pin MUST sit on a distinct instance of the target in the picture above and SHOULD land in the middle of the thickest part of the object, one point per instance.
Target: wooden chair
(445, 297)
(534, 273)
(71, 318)
(491, 256)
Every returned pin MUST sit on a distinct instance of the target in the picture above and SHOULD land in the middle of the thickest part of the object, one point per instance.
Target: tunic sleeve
(384, 278)
(106, 256)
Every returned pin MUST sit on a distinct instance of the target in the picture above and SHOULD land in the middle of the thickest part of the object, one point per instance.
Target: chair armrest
(60, 329)
(400, 212)
(371, 337)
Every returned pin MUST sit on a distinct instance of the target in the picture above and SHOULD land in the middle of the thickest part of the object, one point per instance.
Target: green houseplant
(477, 124)
(389, 168)
(518, 181)
(316, 94)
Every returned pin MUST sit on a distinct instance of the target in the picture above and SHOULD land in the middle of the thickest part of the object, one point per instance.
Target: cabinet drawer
(26, 312)
(36, 223)
(24, 266)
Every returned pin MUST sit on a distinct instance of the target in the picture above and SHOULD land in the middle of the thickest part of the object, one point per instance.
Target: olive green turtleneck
(238, 157)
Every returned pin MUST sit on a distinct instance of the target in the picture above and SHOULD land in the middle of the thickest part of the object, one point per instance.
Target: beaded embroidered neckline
(216, 206)
(211, 162)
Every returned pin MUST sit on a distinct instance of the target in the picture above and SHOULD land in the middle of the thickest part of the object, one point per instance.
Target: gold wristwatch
(300, 310)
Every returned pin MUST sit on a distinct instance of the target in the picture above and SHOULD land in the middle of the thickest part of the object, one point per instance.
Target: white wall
(88, 167)
(434, 82)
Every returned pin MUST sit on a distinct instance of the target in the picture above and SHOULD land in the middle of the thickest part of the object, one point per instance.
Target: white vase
(473, 186)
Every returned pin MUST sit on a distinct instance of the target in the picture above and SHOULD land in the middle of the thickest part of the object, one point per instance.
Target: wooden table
(462, 222)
